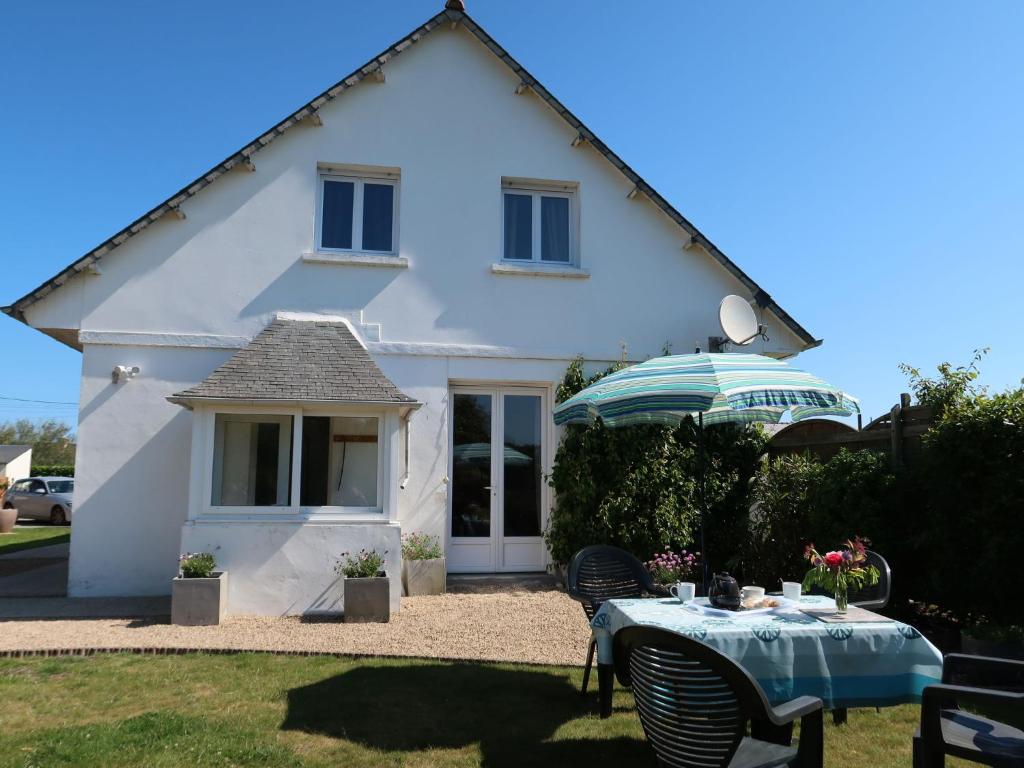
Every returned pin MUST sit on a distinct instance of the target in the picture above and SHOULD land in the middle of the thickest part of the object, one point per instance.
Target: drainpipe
(405, 479)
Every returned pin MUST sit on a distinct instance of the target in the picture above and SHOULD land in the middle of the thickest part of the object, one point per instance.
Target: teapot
(724, 592)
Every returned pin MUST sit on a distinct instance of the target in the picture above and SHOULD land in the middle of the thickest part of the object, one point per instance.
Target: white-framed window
(357, 212)
(251, 460)
(539, 222)
(296, 460)
(341, 462)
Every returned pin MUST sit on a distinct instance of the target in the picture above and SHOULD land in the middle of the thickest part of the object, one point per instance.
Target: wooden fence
(897, 433)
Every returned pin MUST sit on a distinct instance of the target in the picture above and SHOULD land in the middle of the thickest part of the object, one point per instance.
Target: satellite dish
(738, 321)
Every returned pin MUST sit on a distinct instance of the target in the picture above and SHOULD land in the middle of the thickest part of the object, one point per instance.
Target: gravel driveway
(545, 627)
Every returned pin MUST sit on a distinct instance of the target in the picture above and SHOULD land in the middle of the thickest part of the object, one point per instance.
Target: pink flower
(833, 559)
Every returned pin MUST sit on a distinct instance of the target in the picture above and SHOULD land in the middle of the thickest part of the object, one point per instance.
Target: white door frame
(497, 541)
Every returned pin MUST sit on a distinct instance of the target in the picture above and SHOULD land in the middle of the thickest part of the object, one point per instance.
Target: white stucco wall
(178, 298)
(18, 468)
(132, 470)
(286, 568)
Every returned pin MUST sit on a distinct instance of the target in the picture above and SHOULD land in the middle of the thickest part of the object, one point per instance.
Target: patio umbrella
(736, 388)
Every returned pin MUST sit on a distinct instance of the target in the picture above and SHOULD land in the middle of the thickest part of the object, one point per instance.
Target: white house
(15, 461)
(353, 327)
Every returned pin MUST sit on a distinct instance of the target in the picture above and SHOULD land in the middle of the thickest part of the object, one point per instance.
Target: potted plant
(8, 517)
(670, 568)
(366, 596)
(839, 570)
(199, 594)
(423, 565)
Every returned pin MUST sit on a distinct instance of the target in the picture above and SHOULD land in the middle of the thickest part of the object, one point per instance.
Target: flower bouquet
(839, 570)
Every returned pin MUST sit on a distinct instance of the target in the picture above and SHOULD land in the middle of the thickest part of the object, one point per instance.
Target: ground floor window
(252, 461)
(307, 460)
(340, 461)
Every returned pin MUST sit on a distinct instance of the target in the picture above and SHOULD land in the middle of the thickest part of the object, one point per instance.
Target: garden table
(864, 664)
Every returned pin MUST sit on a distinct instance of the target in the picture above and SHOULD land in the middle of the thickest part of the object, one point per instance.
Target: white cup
(791, 590)
(752, 593)
(683, 591)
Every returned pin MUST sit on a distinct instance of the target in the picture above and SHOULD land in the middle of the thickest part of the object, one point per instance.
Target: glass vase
(842, 598)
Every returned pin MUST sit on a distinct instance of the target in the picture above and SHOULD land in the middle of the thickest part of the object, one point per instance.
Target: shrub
(971, 475)
(196, 565)
(53, 470)
(779, 521)
(856, 492)
(364, 564)
(798, 499)
(421, 546)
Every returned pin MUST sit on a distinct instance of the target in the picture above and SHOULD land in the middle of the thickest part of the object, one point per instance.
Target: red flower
(833, 559)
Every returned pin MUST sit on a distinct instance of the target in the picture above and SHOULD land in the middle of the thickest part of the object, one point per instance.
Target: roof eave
(189, 401)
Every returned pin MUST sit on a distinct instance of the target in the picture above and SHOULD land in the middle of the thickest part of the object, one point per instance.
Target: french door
(497, 498)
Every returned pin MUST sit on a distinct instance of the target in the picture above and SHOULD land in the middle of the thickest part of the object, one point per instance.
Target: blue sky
(863, 162)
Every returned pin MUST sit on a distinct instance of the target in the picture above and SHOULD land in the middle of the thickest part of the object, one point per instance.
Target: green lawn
(31, 536)
(262, 710)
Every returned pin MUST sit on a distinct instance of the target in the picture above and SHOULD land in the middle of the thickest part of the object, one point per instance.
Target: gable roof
(299, 360)
(453, 14)
(9, 453)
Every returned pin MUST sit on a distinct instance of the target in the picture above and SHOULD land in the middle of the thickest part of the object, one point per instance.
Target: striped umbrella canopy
(727, 387)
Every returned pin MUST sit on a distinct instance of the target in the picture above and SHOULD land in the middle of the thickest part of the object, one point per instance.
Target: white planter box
(423, 577)
(8, 518)
(199, 602)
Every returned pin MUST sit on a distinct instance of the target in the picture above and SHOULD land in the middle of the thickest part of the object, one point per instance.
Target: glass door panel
(471, 466)
(522, 465)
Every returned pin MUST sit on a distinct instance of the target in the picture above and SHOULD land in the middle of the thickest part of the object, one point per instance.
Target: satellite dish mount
(739, 324)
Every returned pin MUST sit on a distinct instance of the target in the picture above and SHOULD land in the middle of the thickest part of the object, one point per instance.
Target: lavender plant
(364, 564)
(671, 567)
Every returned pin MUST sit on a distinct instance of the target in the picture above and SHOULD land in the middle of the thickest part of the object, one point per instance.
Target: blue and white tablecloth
(792, 654)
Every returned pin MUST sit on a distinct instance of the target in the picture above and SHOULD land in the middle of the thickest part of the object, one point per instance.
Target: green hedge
(799, 499)
(969, 536)
(54, 470)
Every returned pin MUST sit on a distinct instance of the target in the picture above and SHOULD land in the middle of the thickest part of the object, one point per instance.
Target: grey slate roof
(11, 452)
(309, 114)
(299, 360)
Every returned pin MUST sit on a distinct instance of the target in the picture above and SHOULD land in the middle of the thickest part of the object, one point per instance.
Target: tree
(51, 440)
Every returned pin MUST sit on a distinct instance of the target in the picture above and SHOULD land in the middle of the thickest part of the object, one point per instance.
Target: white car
(42, 498)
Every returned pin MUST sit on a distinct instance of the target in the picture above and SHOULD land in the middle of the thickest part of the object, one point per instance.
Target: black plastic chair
(980, 681)
(877, 597)
(601, 572)
(695, 704)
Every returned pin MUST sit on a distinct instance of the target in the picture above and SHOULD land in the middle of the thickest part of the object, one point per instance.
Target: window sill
(539, 270)
(356, 259)
(303, 517)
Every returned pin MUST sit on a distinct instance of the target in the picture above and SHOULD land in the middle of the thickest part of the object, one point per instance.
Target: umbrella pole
(703, 496)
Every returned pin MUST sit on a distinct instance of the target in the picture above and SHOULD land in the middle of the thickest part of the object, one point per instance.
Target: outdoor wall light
(123, 373)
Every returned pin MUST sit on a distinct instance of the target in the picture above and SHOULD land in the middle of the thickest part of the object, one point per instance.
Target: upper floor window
(539, 222)
(358, 213)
